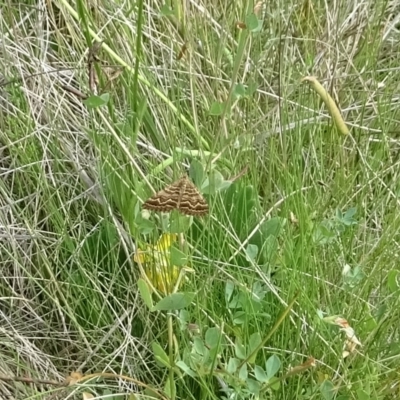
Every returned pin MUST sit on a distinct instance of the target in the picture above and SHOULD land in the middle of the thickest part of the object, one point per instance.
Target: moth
(181, 195)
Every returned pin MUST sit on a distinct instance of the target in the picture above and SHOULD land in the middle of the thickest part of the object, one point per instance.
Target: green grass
(309, 231)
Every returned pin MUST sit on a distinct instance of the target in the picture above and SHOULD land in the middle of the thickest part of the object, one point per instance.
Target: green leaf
(327, 390)
(170, 389)
(348, 217)
(184, 319)
(362, 395)
(145, 226)
(353, 276)
(213, 337)
(243, 373)
(323, 233)
(174, 301)
(214, 183)
(274, 383)
(177, 257)
(178, 223)
(97, 101)
(253, 23)
(254, 343)
(199, 346)
(240, 351)
(186, 369)
(196, 172)
(239, 317)
(160, 355)
(233, 365)
(273, 227)
(260, 374)
(239, 90)
(393, 281)
(251, 252)
(253, 386)
(145, 293)
(216, 108)
(151, 394)
(266, 238)
(273, 365)
(258, 291)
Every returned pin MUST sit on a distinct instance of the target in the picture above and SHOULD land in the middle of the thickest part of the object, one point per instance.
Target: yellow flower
(156, 260)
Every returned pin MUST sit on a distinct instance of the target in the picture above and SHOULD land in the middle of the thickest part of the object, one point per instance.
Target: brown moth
(181, 195)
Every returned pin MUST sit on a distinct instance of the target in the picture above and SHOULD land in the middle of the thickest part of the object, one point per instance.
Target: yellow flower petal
(156, 261)
(163, 279)
(165, 241)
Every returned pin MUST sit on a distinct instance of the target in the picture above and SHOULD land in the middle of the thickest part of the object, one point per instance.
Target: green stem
(171, 355)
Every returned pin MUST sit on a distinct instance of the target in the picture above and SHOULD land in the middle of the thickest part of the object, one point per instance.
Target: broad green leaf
(348, 217)
(160, 354)
(170, 388)
(260, 374)
(196, 172)
(239, 90)
(213, 337)
(214, 183)
(145, 293)
(233, 365)
(273, 365)
(369, 323)
(145, 226)
(97, 101)
(258, 291)
(184, 319)
(178, 223)
(216, 108)
(323, 233)
(199, 346)
(251, 22)
(243, 373)
(254, 343)
(253, 386)
(273, 226)
(186, 369)
(239, 317)
(274, 384)
(240, 351)
(353, 276)
(177, 257)
(251, 252)
(161, 362)
(327, 390)
(175, 301)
